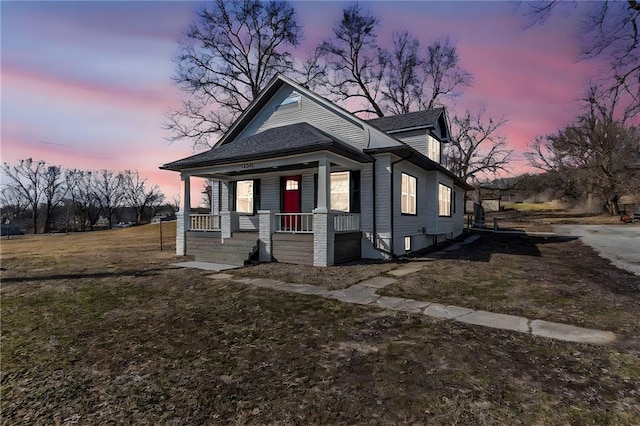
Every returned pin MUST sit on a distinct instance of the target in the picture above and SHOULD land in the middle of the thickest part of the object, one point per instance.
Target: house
(298, 179)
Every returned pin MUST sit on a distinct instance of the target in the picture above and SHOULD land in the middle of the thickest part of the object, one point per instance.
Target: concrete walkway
(365, 293)
(620, 244)
(205, 266)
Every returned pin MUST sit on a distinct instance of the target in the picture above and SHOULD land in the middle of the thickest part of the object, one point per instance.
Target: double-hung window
(444, 200)
(408, 200)
(244, 196)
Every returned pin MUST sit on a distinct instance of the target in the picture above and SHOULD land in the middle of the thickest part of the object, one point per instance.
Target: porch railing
(294, 222)
(204, 222)
(346, 222)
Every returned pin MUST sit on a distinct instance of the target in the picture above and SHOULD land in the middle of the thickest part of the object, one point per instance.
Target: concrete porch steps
(231, 251)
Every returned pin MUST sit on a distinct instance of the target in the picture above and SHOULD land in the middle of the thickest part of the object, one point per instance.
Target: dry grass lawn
(97, 328)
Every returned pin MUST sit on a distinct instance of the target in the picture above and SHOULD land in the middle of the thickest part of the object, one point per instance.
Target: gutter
(393, 163)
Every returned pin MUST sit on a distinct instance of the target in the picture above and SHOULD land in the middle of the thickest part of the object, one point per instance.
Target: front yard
(98, 328)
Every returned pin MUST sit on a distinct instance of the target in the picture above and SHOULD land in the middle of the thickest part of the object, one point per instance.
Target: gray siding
(416, 139)
(309, 111)
(308, 193)
(409, 225)
(270, 193)
(444, 224)
(293, 248)
(248, 222)
(458, 216)
(383, 209)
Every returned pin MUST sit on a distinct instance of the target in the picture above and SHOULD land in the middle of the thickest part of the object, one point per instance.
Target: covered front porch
(297, 209)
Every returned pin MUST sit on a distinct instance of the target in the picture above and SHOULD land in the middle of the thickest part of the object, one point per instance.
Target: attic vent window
(290, 102)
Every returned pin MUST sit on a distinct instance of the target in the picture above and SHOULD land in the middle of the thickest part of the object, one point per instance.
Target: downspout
(393, 163)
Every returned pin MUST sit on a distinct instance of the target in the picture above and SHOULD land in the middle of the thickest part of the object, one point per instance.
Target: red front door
(291, 201)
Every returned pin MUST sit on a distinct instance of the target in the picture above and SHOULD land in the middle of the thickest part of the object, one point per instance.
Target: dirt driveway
(618, 243)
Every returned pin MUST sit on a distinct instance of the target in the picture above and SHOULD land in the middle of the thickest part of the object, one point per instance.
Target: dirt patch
(552, 278)
(333, 278)
(105, 331)
(543, 221)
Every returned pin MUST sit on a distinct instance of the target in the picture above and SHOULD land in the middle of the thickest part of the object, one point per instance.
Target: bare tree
(26, 179)
(84, 197)
(54, 190)
(356, 62)
(443, 73)
(230, 53)
(477, 150)
(108, 191)
(598, 157)
(404, 81)
(138, 195)
(610, 31)
(13, 202)
(415, 81)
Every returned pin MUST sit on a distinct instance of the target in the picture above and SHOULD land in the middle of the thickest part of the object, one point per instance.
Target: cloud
(85, 90)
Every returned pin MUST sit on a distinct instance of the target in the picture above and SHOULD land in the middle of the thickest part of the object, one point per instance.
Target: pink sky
(86, 84)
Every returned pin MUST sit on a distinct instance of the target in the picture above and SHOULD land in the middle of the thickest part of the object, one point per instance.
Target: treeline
(45, 192)
(594, 161)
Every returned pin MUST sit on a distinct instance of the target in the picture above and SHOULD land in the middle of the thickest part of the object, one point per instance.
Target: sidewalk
(365, 293)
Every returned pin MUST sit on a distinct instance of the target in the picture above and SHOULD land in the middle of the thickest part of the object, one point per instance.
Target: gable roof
(410, 121)
(304, 138)
(278, 141)
(270, 90)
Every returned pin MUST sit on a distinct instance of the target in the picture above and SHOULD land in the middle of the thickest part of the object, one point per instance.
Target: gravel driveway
(618, 243)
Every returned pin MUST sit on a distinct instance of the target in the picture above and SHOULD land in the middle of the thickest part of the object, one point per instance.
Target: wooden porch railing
(294, 222)
(204, 222)
(346, 222)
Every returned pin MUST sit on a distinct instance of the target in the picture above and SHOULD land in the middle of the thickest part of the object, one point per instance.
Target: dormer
(425, 131)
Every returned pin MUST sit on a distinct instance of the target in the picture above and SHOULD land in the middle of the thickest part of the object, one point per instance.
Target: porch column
(323, 237)
(267, 227)
(215, 197)
(228, 219)
(183, 220)
(324, 185)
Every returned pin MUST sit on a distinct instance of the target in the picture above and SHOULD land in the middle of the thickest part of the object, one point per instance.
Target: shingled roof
(286, 140)
(411, 120)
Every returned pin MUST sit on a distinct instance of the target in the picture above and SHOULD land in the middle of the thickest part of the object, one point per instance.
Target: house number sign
(246, 165)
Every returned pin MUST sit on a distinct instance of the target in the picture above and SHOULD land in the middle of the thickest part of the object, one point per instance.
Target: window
(244, 196)
(292, 184)
(433, 149)
(408, 201)
(340, 191)
(290, 102)
(407, 243)
(444, 200)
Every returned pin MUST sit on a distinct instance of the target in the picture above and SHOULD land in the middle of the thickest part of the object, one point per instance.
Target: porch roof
(298, 138)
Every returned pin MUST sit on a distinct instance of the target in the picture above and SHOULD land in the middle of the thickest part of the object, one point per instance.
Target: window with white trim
(407, 244)
(444, 200)
(433, 149)
(408, 199)
(244, 196)
(340, 191)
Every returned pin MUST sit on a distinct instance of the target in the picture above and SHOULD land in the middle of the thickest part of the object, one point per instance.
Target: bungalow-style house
(297, 179)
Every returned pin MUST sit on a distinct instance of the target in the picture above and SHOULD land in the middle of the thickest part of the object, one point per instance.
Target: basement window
(407, 244)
